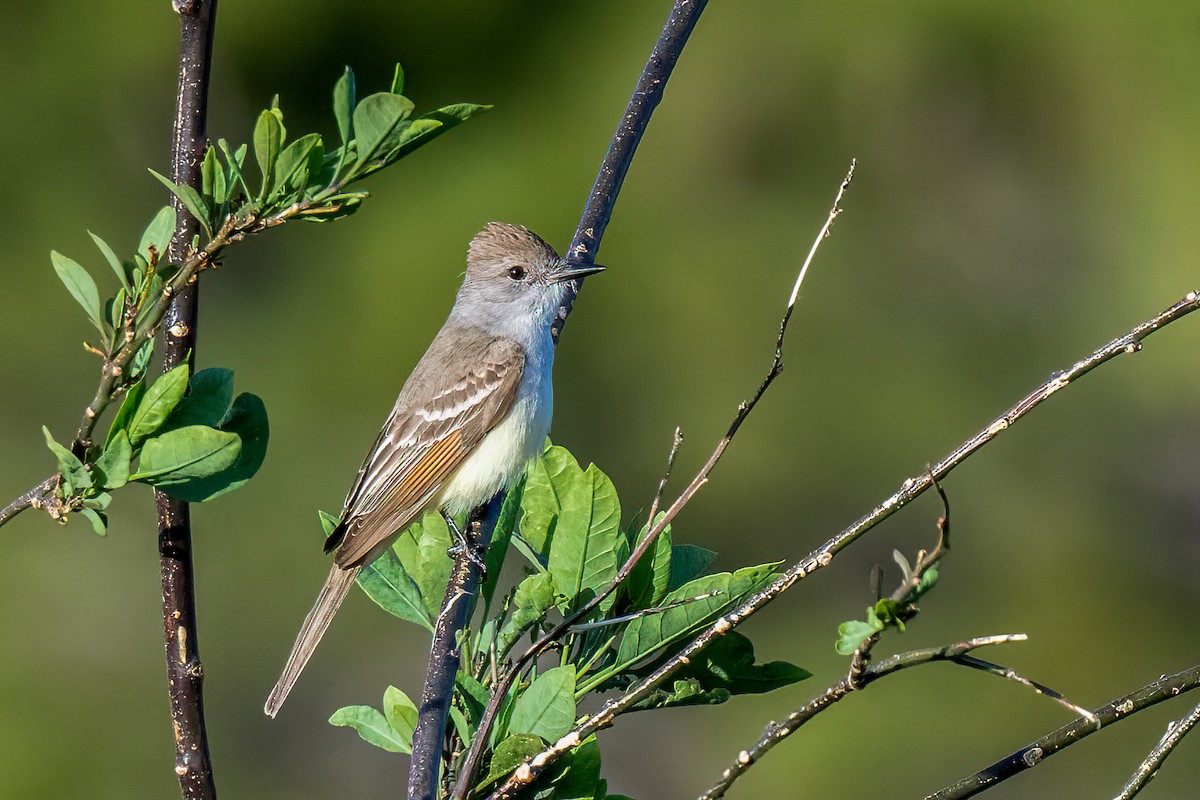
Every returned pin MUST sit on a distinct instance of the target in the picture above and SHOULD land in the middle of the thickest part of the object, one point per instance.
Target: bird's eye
(516, 273)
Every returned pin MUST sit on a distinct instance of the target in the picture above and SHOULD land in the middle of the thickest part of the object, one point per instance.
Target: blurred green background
(1027, 189)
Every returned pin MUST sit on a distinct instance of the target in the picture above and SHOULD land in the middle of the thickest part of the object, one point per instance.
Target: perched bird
(471, 415)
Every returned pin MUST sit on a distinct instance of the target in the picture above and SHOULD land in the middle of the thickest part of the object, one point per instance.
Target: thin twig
(655, 528)
(676, 443)
(438, 691)
(776, 732)
(1149, 768)
(1040, 688)
(585, 244)
(31, 499)
(1036, 752)
(185, 674)
(910, 489)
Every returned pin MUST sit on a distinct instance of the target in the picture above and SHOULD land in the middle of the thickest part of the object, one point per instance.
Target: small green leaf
(682, 692)
(268, 141)
(292, 166)
(124, 415)
(387, 583)
(422, 551)
(185, 454)
(112, 259)
(651, 577)
(728, 663)
(852, 633)
(247, 422)
(698, 603)
(577, 774)
(378, 121)
(328, 522)
(233, 163)
(157, 234)
(98, 519)
(501, 537)
(191, 200)
(372, 727)
(113, 463)
(688, 562)
(72, 469)
(531, 602)
(429, 126)
(212, 175)
(81, 286)
(158, 403)
(209, 394)
(547, 707)
(401, 713)
(398, 80)
(585, 552)
(511, 753)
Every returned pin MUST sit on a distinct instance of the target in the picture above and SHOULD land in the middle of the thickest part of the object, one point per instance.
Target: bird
(472, 414)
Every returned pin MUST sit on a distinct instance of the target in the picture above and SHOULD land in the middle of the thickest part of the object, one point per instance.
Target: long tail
(315, 624)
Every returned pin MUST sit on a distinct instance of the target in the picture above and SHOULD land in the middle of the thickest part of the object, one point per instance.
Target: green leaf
(387, 583)
(682, 692)
(651, 577)
(184, 454)
(113, 463)
(577, 774)
(547, 707)
(124, 415)
(501, 537)
(647, 635)
(728, 663)
(158, 403)
(531, 602)
(141, 360)
(585, 550)
(72, 469)
(328, 522)
(398, 80)
(191, 200)
(378, 123)
(852, 633)
(292, 166)
(372, 727)
(111, 258)
(81, 286)
(158, 233)
(511, 753)
(429, 126)
(233, 163)
(209, 394)
(98, 519)
(248, 422)
(212, 178)
(268, 141)
(688, 562)
(400, 713)
(422, 550)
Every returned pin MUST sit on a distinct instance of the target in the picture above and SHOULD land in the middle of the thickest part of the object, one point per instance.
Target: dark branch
(647, 94)
(912, 488)
(31, 499)
(185, 673)
(1149, 768)
(776, 732)
(438, 692)
(1038, 751)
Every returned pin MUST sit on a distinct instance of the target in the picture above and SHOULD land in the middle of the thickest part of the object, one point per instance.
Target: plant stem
(823, 556)
(1149, 768)
(1036, 752)
(438, 693)
(185, 674)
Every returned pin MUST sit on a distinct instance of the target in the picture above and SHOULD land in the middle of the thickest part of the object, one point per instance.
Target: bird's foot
(463, 546)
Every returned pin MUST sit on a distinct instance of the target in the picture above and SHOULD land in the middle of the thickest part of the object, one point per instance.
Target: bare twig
(1040, 688)
(676, 443)
(1149, 768)
(438, 692)
(776, 732)
(31, 499)
(656, 527)
(1036, 752)
(910, 489)
(185, 674)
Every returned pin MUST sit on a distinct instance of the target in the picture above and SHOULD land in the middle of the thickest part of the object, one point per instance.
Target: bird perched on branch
(471, 415)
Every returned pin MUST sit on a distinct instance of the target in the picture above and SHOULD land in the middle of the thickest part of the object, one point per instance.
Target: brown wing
(420, 448)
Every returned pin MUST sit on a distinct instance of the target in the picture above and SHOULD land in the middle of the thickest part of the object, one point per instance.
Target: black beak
(569, 272)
